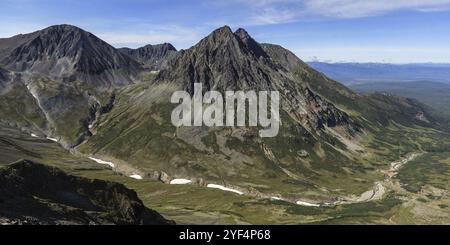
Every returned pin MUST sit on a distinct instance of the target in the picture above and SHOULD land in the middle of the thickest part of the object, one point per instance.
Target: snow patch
(180, 181)
(35, 136)
(221, 187)
(136, 176)
(308, 204)
(103, 162)
(276, 198)
(52, 139)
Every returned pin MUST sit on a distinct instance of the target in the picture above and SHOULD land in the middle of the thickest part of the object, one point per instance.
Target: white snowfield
(136, 176)
(35, 136)
(276, 198)
(52, 139)
(102, 162)
(307, 204)
(221, 187)
(180, 181)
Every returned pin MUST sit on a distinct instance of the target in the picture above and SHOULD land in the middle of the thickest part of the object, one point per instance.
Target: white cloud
(143, 33)
(261, 12)
(362, 8)
(272, 16)
(374, 54)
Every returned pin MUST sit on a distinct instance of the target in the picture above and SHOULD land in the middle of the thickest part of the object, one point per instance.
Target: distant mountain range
(358, 73)
(427, 82)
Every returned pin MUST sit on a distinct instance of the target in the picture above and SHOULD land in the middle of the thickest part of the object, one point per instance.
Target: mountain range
(67, 85)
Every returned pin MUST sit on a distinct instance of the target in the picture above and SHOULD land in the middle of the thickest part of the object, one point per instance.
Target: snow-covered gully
(112, 165)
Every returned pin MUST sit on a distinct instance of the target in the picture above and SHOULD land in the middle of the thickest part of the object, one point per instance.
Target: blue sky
(396, 31)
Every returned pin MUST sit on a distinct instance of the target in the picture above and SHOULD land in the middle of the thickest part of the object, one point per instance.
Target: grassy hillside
(435, 95)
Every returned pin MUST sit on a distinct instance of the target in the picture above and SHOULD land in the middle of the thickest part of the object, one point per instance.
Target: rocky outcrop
(32, 193)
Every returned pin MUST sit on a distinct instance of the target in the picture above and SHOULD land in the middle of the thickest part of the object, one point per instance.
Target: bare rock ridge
(32, 193)
(151, 55)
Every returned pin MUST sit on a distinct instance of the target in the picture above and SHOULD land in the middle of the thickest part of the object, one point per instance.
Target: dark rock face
(151, 55)
(250, 43)
(3, 74)
(32, 193)
(4, 77)
(67, 51)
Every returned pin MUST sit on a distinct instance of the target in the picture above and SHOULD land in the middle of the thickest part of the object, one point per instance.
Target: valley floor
(415, 191)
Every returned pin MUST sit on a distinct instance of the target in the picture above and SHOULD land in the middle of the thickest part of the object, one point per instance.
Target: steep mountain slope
(235, 61)
(154, 56)
(326, 141)
(32, 193)
(69, 72)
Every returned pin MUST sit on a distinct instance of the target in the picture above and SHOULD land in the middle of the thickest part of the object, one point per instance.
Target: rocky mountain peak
(62, 28)
(222, 60)
(241, 32)
(222, 31)
(250, 43)
(235, 61)
(163, 47)
(64, 51)
(221, 38)
(167, 46)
